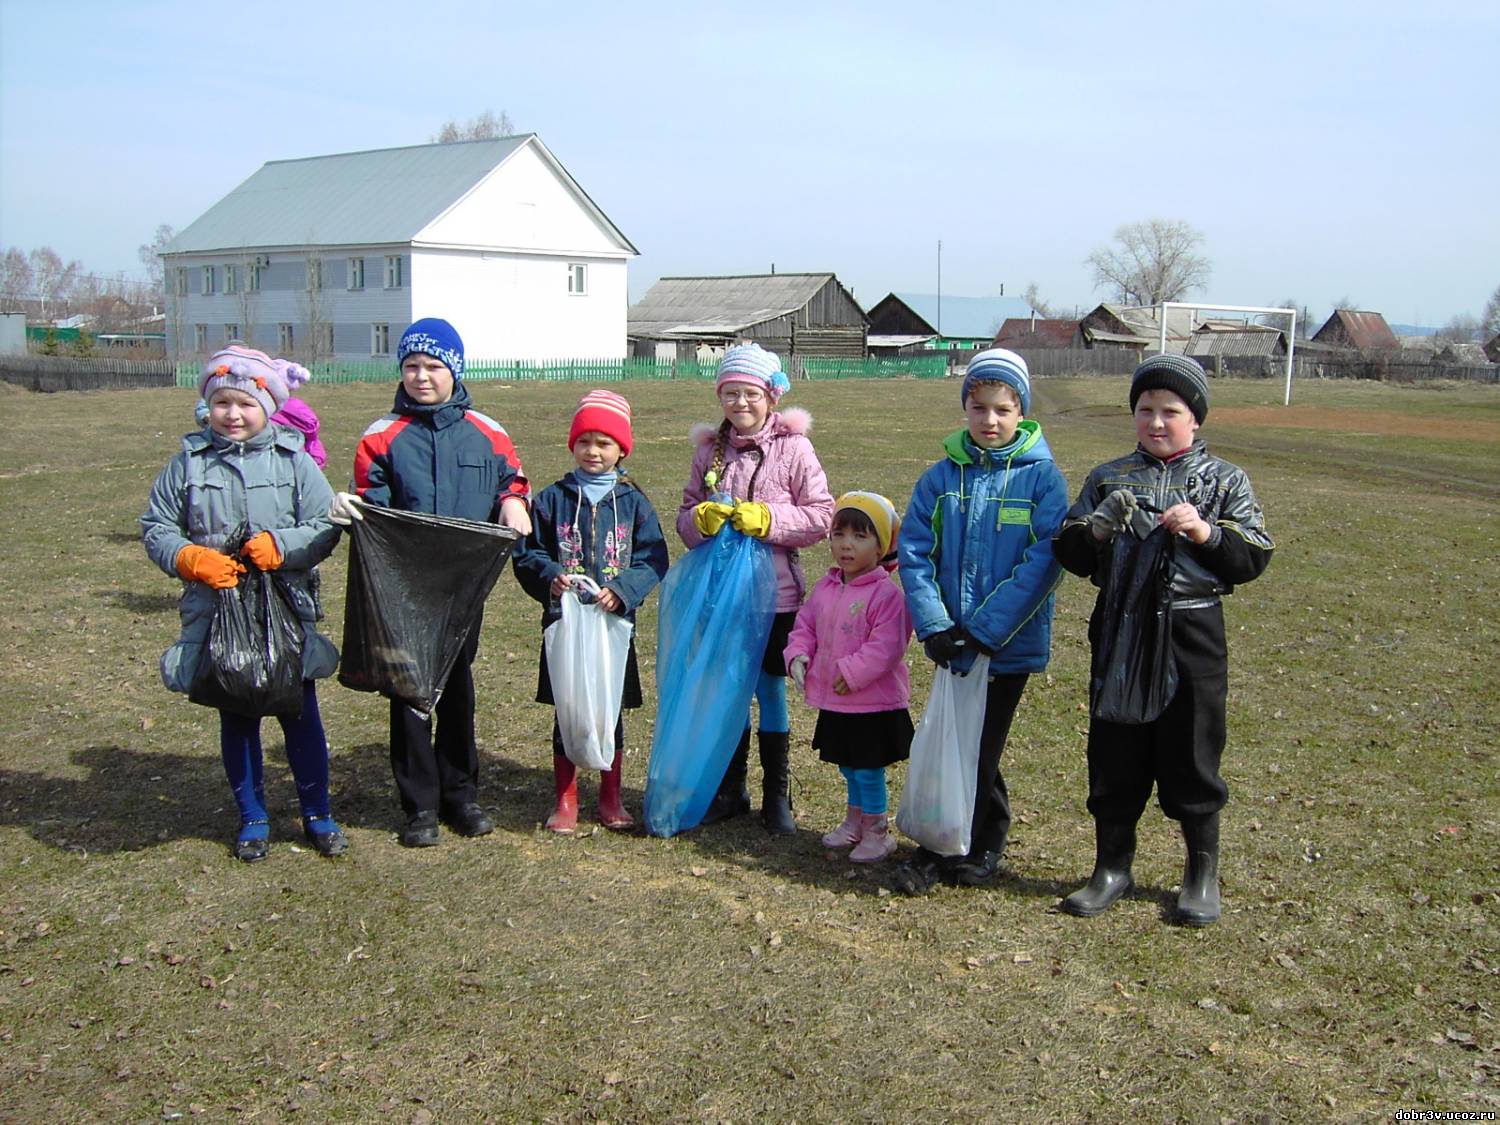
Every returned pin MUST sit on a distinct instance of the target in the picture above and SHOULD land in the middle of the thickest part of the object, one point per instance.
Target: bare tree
(1277, 320)
(1033, 297)
(246, 297)
(1345, 304)
(1153, 261)
(1460, 329)
(150, 255)
(51, 278)
(314, 311)
(15, 280)
(1489, 320)
(485, 127)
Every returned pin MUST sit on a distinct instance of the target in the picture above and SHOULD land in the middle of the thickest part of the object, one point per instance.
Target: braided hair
(716, 466)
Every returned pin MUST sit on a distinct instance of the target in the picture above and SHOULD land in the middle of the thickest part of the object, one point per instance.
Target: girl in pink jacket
(758, 471)
(847, 653)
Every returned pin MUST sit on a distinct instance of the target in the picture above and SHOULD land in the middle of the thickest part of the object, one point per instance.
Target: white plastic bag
(937, 804)
(586, 653)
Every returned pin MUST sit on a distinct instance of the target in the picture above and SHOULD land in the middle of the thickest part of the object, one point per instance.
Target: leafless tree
(1033, 297)
(1460, 329)
(314, 311)
(1277, 320)
(15, 280)
(51, 278)
(485, 127)
(1345, 304)
(246, 297)
(150, 255)
(1489, 321)
(1152, 261)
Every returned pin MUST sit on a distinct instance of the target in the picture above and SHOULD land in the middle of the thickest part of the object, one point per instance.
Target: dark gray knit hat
(1179, 374)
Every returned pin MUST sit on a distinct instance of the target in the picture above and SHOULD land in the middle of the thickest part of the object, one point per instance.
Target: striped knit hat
(999, 365)
(604, 412)
(880, 511)
(751, 363)
(435, 337)
(1179, 374)
(241, 368)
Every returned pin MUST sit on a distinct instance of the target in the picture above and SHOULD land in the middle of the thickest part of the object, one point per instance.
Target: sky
(1326, 152)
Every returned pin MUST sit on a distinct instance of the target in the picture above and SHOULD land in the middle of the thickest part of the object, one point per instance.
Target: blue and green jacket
(976, 547)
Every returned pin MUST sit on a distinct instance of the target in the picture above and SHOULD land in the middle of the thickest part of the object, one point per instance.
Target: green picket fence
(614, 370)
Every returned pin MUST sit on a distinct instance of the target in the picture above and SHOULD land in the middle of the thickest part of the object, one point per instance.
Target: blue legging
(866, 789)
(770, 693)
(306, 753)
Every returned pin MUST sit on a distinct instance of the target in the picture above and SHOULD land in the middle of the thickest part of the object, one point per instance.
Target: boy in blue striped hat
(977, 568)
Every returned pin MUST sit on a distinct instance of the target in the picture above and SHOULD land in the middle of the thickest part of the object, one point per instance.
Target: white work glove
(1112, 516)
(345, 508)
(797, 670)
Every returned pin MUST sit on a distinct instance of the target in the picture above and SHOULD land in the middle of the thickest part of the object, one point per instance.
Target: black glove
(945, 646)
(974, 644)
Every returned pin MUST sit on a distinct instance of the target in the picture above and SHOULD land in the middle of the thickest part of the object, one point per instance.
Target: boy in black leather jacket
(1170, 481)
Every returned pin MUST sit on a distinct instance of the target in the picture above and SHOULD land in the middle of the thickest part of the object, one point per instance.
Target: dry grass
(725, 975)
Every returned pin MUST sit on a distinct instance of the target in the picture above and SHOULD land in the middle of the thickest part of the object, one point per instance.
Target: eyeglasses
(749, 396)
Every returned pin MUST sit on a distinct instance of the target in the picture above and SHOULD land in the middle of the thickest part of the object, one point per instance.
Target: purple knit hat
(242, 368)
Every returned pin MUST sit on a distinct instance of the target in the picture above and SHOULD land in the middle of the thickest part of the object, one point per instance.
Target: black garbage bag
(1134, 674)
(417, 584)
(252, 664)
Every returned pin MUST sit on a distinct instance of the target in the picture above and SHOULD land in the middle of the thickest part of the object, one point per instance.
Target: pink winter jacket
(858, 630)
(791, 483)
(297, 415)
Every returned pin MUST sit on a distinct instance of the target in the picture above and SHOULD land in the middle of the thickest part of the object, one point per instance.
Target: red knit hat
(604, 412)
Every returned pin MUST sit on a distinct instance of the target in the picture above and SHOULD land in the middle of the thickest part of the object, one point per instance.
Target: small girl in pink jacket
(760, 460)
(847, 653)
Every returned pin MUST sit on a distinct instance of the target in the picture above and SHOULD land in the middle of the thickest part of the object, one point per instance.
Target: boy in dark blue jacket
(435, 453)
(593, 522)
(978, 572)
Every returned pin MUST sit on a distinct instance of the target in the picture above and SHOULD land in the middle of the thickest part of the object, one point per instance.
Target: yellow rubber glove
(752, 518)
(710, 515)
(212, 568)
(263, 552)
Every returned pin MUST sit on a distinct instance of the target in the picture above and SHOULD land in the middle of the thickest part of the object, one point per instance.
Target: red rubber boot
(564, 818)
(611, 809)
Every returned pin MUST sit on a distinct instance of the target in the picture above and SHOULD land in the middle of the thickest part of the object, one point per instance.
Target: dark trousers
(557, 738)
(991, 797)
(1181, 750)
(439, 773)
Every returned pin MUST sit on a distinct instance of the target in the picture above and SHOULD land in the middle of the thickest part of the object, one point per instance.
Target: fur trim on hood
(793, 420)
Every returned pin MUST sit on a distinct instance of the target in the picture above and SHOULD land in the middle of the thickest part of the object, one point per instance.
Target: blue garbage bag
(717, 605)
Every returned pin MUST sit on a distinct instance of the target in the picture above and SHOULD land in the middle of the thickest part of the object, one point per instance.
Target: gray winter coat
(208, 489)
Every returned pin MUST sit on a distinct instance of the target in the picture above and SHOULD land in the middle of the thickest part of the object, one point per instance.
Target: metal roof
(722, 306)
(897, 341)
(1245, 340)
(1360, 329)
(1023, 332)
(381, 196)
(969, 317)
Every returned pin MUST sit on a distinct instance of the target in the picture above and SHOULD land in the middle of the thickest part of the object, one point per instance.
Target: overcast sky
(1324, 150)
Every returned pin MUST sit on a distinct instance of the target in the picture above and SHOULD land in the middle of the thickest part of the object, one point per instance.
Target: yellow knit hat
(881, 513)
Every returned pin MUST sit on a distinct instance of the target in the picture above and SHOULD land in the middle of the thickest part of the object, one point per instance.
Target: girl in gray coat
(243, 469)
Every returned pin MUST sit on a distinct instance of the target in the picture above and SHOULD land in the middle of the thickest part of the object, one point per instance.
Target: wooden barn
(1020, 333)
(792, 314)
(1357, 329)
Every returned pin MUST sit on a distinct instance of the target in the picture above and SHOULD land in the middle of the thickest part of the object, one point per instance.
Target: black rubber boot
(1114, 852)
(775, 799)
(732, 799)
(1198, 902)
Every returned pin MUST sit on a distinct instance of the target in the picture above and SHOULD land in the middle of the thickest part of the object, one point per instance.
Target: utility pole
(940, 289)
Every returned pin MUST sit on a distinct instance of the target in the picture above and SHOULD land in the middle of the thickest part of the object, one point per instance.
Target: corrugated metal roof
(720, 305)
(896, 341)
(967, 317)
(356, 198)
(1143, 320)
(1022, 332)
(1245, 340)
(1360, 329)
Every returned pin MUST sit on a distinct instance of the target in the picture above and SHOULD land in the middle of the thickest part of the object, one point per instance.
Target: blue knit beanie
(753, 364)
(435, 337)
(999, 365)
(1179, 374)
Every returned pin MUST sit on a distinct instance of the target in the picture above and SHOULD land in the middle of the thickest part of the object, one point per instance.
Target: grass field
(724, 975)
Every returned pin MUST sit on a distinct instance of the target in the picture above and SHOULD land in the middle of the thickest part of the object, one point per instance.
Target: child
(847, 653)
(240, 469)
(1209, 506)
(594, 521)
(436, 454)
(295, 415)
(763, 459)
(977, 567)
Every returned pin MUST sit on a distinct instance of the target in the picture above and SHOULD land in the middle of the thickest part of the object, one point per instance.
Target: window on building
(200, 337)
(356, 273)
(380, 339)
(253, 280)
(284, 339)
(182, 281)
(231, 279)
(393, 271)
(314, 274)
(208, 280)
(578, 276)
(231, 332)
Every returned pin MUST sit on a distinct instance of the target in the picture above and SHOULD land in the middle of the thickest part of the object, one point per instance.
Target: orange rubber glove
(212, 568)
(263, 552)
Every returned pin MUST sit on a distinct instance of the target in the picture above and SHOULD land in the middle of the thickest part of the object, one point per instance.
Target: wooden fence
(57, 373)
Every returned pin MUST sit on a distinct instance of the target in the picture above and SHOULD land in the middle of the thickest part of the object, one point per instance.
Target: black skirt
(629, 700)
(865, 741)
(773, 663)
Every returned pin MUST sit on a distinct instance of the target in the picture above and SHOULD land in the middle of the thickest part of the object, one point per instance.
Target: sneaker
(421, 830)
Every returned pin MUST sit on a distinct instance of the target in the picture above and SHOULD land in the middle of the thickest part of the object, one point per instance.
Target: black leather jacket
(1237, 550)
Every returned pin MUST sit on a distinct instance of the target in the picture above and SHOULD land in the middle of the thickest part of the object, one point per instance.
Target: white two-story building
(332, 257)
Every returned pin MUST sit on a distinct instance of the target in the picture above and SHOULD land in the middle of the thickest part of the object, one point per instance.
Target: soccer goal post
(1291, 328)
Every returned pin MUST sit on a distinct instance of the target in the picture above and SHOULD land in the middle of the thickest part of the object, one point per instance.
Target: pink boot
(848, 832)
(875, 841)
